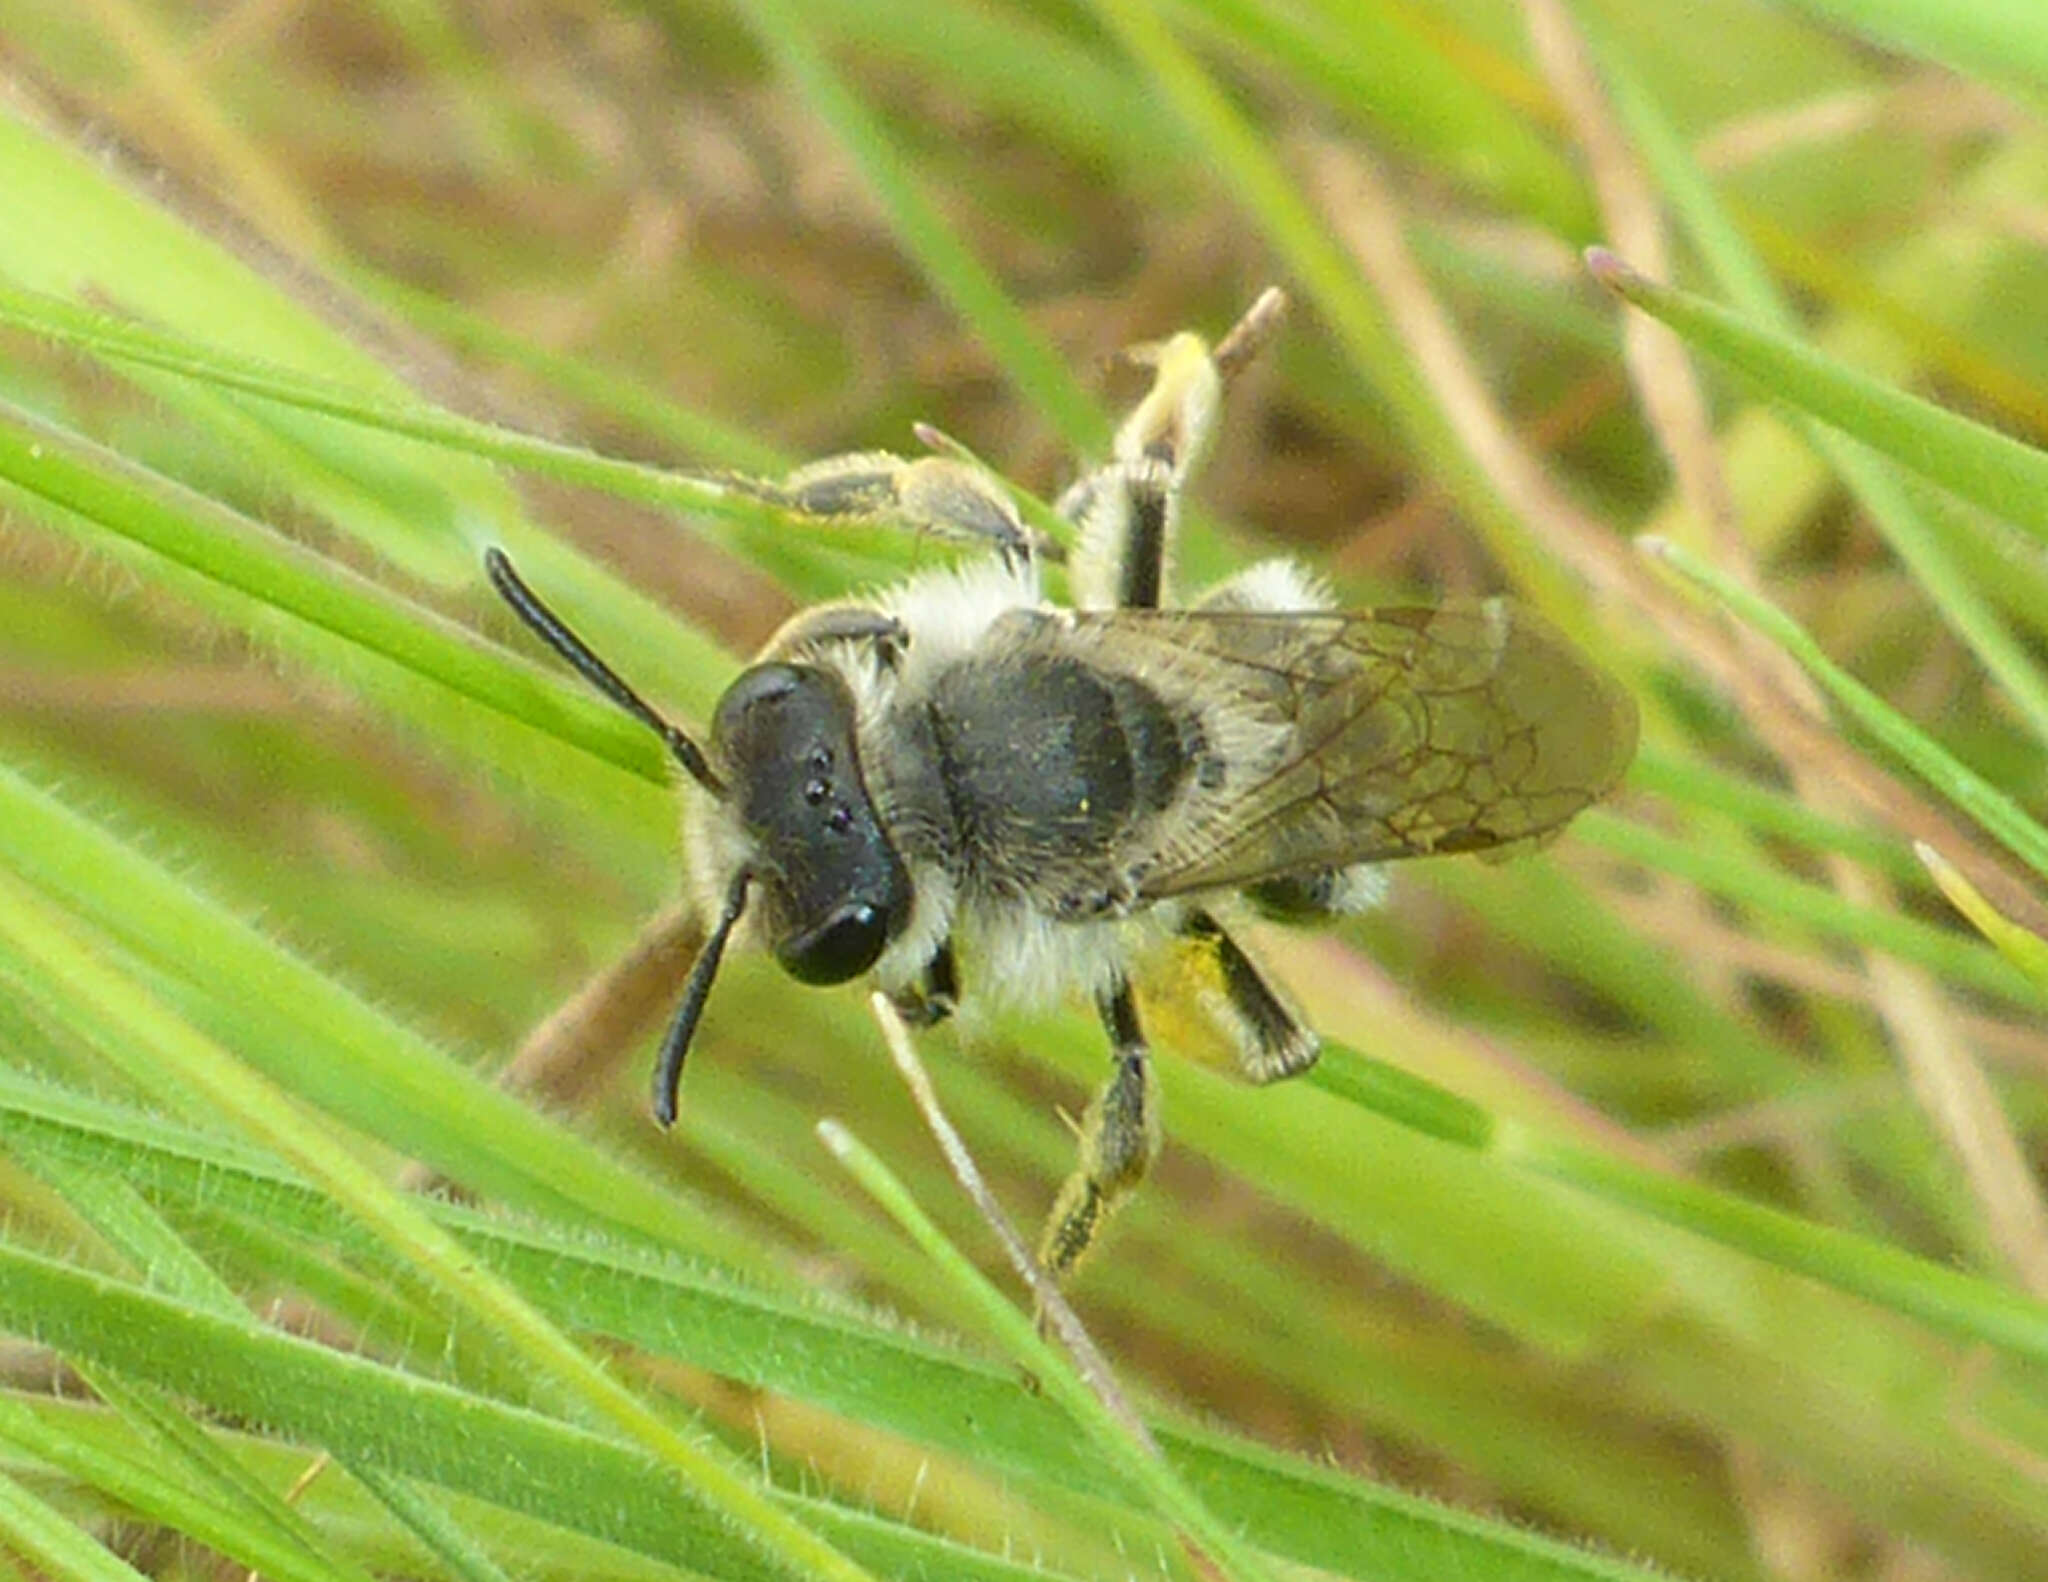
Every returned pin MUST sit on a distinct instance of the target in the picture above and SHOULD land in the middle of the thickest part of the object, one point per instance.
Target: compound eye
(843, 947)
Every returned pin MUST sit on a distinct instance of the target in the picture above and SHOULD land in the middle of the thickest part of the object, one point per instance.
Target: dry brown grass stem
(208, 690)
(1056, 1314)
(574, 1051)
(1663, 375)
(1831, 118)
(1943, 1076)
(1362, 212)
(1694, 933)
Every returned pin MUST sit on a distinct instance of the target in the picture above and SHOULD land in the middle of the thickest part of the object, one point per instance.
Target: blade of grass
(149, 1487)
(57, 1547)
(514, 1458)
(2001, 41)
(1916, 1287)
(169, 1264)
(1956, 1303)
(1145, 1471)
(1954, 955)
(1038, 373)
(1999, 815)
(2022, 947)
(1016, 67)
(225, 547)
(1379, 66)
(792, 544)
(865, 1370)
(1693, 783)
(428, 1521)
(610, 390)
(126, 340)
(165, 1049)
(113, 1208)
(1748, 284)
(362, 1066)
(1976, 463)
(1242, 159)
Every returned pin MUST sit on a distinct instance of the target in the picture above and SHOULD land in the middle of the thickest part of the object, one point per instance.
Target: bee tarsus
(1119, 1138)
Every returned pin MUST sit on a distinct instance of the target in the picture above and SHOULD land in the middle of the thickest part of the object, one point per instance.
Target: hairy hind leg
(1266, 1034)
(1128, 508)
(1119, 1138)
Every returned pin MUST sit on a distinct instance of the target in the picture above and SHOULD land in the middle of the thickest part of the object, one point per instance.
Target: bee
(956, 768)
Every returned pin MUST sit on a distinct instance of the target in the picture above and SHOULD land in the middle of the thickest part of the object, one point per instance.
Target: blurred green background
(302, 842)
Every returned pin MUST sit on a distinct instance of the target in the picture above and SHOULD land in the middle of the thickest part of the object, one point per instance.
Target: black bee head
(783, 767)
(833, 889)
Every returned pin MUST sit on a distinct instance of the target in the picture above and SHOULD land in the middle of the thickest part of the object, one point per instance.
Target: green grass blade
(1956, 956)
(1742, 275)
(1692, 783)
(811, 556)
(78, 232)
(1240, 155)
(410, 1425)
(226, 548)
(466, 1560)
(1968, 1308)
(336, 1050)
(1143, 1469)
(2002, 41)
(865, 1371)
(1976, 463)
(127, 341)
(1040, 375)
(149, 1487)
(2022, 947)
(166, 1049)
(57, 1547)
(1379, 64)
(170, 1265)
(2002, 817)
(608, 390)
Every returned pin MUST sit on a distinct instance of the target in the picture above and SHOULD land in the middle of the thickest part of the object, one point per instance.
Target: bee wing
(1388, 733)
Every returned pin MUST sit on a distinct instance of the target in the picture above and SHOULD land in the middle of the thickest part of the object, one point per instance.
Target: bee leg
(809, 630)
(1119, 1137)
(937, 997)
(1316, 898)
(1270, 1038)
(930, 494)
(1126, 523)
(1127, 509)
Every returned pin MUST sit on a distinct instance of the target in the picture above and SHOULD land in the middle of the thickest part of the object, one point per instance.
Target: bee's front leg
(1119, 1139)
(803, 634)
(937, 996)
(926, 494)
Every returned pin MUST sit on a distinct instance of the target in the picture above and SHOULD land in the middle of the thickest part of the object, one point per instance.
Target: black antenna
(549, 628)
(668, 1067)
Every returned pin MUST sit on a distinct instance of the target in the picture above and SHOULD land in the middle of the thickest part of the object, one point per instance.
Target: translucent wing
(1400, 733)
